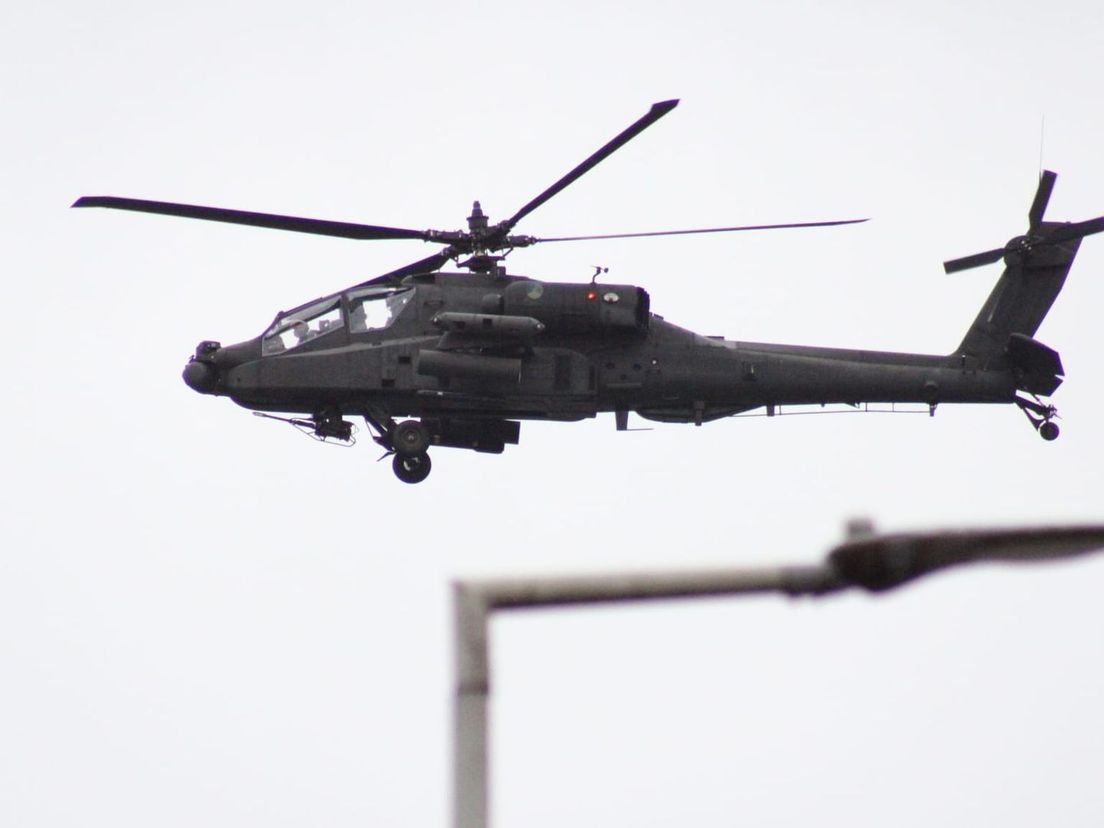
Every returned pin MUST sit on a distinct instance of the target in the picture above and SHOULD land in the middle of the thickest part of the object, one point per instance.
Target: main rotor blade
(703, 230)
(1042, 196)
(426, 265)
(977, 260)
(299, 225)
(657, 111)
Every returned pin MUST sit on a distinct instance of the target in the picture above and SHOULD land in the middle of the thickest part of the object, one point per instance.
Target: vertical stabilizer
(1036, 266)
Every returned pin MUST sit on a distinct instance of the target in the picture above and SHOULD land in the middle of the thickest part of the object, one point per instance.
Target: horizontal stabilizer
(1041, 367)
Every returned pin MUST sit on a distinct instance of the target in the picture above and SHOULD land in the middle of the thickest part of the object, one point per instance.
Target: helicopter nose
(200, 374)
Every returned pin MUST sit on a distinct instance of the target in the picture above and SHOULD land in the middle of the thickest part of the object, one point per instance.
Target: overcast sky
(207, 619)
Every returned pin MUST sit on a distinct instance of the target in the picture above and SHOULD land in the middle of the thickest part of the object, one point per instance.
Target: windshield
(297, 327)
(373, 308)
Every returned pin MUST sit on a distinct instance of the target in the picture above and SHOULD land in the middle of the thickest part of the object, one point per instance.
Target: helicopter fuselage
(483, 348)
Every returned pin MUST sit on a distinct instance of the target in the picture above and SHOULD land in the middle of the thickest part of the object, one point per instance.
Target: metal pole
(474, 601)
(470, 704)
(865, 560)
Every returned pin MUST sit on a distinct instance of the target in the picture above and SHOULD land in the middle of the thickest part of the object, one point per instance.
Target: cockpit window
(295, 328)
(373, 308)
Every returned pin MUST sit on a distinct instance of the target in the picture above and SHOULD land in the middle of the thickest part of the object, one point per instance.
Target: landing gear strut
(1041, 417)
(406, 442)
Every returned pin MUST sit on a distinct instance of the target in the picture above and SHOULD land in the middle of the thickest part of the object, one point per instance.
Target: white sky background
(207, 619)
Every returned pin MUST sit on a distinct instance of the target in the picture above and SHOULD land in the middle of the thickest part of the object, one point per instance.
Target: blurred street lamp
(865, 560)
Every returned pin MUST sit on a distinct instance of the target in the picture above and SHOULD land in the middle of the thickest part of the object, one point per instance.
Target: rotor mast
(482, 258)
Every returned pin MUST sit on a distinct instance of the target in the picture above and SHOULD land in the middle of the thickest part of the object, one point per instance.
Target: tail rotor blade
(977, 260)
(1076, 230)
(1042, 196)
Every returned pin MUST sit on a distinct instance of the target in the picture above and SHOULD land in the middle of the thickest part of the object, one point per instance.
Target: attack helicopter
(457, 360)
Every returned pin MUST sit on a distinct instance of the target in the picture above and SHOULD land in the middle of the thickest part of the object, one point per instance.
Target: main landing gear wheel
(410, 438)
(412, 469)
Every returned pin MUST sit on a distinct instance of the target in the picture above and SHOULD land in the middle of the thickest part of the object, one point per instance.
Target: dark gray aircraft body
(465, 356)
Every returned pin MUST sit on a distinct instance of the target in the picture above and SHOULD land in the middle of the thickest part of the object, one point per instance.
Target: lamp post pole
(867, 561)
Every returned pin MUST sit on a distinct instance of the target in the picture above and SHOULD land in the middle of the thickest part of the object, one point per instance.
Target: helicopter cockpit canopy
(292, 329)
(370, 308)
(376, 307)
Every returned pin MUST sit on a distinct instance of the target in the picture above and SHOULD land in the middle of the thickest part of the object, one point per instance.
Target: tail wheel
(1040, 416)
(412, 469)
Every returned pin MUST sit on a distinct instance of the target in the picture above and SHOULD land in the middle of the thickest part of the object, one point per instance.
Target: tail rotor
(1039, 234)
